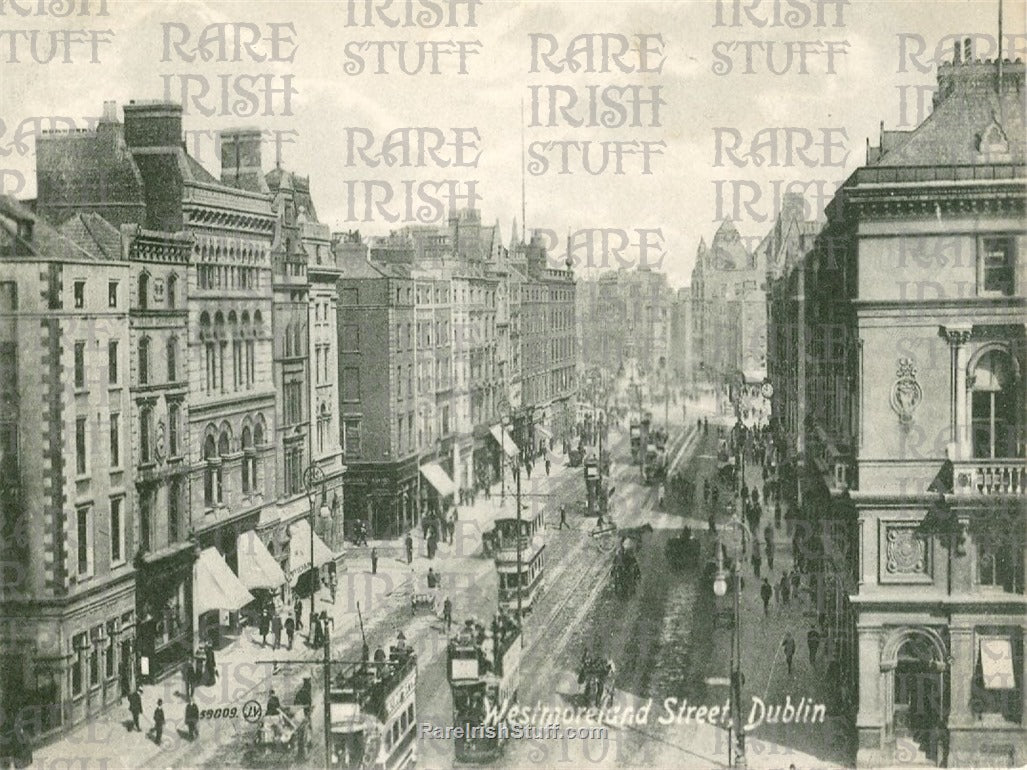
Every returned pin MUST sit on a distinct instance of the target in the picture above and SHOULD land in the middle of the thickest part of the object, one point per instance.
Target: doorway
(919, 706)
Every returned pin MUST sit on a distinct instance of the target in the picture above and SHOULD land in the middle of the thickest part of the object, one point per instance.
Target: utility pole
(520, 585)
(327, 663)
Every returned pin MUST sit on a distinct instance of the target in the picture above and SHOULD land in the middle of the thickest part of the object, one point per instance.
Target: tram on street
(373, 713)
(529, 580)
(483, 669)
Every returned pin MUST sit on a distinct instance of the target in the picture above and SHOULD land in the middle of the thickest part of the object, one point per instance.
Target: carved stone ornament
(906, 393)
(906, 551)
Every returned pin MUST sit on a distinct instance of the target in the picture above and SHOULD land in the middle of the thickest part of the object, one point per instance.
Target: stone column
(958, 336)
(870, 718)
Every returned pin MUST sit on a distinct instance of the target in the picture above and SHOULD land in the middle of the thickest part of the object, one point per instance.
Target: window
(237, 364)
(174, 510)
(144, 290)
(251, 362)
(112, 362)
(351, 438)
(350, 296)
(172, 355)
(399, 383)
(995, 417)
(79, 643)
(996, 259)
(351, 338)
(80, 294)
(81, 464)
(144, 360)
(172, 290)
(112, 632)
(249, 459)
(83, 536)
(351, 384)
(212, 488)
(210, 360)
(117, 532)
(146, 434)
(999, 563)
(293, 398)
(174, 413)
(115, 438)
(112, 294)
(145, 519)
(294, 469)
(80, 365)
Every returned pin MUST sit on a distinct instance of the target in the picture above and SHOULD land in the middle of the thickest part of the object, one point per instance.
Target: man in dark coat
(265, 625)
(158, 722)
(297, 611)
(766, 593)
(813, 641)
(789, 647)
(374, 561)
(290, 629)
(192, 719)
(211, 665)
(409, 542)
(135, 708)
(276, 630)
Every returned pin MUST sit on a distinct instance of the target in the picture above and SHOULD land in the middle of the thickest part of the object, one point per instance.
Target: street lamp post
(720, 589)
(313, 477)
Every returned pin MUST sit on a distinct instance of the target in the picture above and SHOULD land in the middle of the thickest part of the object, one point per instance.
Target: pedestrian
(325, 622)
(211, 665)
(276, 630)
(433, 544)
(374, 561)
(290, 630)
(274, 705)
(409, 542)
(777, 514)
(783, 589)
(796, 583)
(297, 611)
(192, 719)
(770, 555)
(712, 520)
(265, 625)
(789, 647)
(563, 516)
(447, 614)
(158, 721)
(757, 560)
(706, 491)
(813, 641)
(135, 708)
(316, 635)
(548, 464)
(766, 593)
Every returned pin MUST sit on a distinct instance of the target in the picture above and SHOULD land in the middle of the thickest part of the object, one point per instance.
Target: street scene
(392, 385)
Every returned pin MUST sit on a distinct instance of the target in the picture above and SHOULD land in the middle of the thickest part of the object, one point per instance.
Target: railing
(991, 477)
(940, 173)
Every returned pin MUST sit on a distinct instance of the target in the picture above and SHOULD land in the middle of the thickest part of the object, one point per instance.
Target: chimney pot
(968, 50)
(957, 53)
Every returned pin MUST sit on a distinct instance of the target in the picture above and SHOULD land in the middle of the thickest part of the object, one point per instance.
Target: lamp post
(503, 409)
(313, 477)
(720, 589)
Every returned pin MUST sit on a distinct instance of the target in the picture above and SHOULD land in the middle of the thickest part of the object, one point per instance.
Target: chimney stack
(110, 112)
(153, 132)
(153, 125)
(241, 159)
(967, 50)
(957, 53)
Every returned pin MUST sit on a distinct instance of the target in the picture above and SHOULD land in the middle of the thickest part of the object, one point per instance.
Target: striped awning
(505, 440)
(438, 478)
(299, 549)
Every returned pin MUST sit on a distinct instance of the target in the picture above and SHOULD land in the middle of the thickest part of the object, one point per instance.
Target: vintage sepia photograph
(514, 384)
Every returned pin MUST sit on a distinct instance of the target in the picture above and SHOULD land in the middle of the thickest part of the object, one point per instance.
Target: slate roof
(94, 234)
(45, 242)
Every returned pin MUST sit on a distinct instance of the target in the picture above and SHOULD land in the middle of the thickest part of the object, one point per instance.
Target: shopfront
(218, 596)
(164, 610)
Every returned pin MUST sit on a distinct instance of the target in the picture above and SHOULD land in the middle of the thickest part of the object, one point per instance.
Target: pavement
(367, 605)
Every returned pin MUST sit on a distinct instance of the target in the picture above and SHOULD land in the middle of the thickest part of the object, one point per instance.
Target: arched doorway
(918, 707)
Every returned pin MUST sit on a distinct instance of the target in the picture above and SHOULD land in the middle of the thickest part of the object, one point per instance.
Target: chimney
(967, 50)
(153, 132)
(153, 125)
(957, 53)
(241, 160)
(110, 112)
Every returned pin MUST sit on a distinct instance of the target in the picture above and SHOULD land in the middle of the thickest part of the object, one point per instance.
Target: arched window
(997, 420)
(172, 290)
(288, 341)
(173, 359)
(249, 460)
(144, 360)
(211, 474)
(144, 290)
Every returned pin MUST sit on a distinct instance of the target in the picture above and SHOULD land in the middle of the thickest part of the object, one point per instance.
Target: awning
(215, 586)
(545, 432)
(505, 440)
(257, 567)
(438, 478)
(997, 662)
(299, 549)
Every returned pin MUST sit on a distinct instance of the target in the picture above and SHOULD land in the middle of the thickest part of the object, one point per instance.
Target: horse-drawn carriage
(282, 734)
(626, 572)
(422, 600)
(683, 550)
(596, 678)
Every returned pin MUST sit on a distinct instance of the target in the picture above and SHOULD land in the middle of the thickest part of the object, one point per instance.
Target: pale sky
(679, 197)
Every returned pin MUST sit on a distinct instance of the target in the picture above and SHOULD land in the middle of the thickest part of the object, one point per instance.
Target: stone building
(914, 297)
(67, 646)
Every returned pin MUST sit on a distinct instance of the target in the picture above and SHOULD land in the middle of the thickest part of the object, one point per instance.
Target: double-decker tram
(373, 712)
(483, 668)
(524, 575)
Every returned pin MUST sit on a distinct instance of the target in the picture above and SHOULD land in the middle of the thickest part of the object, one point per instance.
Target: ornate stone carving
(906, 551)
(958, 335)
(906, 393)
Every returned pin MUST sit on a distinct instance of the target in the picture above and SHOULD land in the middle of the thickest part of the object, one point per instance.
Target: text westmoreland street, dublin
(673, 711)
